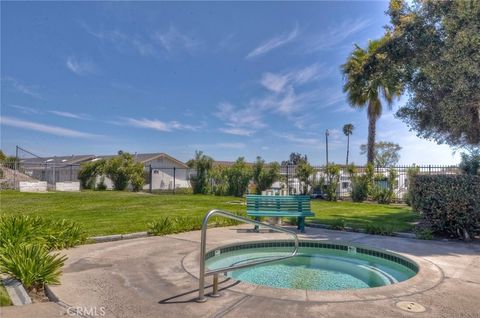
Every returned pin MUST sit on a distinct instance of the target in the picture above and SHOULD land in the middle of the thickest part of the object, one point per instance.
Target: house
(162, 171)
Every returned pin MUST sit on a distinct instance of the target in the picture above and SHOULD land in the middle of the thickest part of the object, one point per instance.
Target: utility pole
(327, 133)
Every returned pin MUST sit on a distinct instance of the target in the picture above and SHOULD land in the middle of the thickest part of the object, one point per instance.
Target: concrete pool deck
(147, 277)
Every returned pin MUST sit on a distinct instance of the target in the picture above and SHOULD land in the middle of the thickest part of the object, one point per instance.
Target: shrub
(263, 176)
(338, 224)
(177, 224)
(20, 229)
(333, 175)
(359, 192)
(25, 243)
(32, 264)
(202, 164)
(238, 177)
(423, 231)
(450, 203)
(123, 170)
(101, 186)
(385, 229)
(89, 172)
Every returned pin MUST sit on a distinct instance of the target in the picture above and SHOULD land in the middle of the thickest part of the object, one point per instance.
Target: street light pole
(327, 133)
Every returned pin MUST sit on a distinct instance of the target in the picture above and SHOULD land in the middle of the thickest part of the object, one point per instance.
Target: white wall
(40, 186)
(162, 175)
(67, 186)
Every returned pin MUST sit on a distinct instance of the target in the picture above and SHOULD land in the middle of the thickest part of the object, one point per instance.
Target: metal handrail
(215, 272)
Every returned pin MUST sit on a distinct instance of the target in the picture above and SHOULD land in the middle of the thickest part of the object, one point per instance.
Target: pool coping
(428, 276)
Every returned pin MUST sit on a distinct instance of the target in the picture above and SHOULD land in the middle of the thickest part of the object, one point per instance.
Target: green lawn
(109, 212)
(4, 299)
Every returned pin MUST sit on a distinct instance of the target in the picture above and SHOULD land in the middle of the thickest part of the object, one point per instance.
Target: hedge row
(448, 203)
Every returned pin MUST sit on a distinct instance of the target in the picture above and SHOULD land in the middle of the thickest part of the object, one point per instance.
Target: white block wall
(40, 186)
(71, 186)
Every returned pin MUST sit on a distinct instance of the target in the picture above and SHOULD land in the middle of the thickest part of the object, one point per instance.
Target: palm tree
(348, 130)
(369, 78)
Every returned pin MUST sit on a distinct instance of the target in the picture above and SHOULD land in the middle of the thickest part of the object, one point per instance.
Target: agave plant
(32, 264)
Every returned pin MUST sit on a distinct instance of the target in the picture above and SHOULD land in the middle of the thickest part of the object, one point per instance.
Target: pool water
(312, 269)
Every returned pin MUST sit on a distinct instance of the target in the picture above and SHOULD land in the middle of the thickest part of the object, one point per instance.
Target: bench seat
(280, 206)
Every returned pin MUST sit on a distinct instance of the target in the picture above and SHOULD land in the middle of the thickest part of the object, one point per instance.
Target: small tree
(219, 180)
(123, 170)
(386, 153)
(89, 172)
(263, 176)
(238, 176)
(202, 164)
(333, 175)
(304, 171)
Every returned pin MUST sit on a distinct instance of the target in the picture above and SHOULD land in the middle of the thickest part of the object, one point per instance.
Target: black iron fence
(292, 184)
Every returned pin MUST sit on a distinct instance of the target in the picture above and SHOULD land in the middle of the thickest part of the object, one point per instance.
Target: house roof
(68, 160)
(58, 160)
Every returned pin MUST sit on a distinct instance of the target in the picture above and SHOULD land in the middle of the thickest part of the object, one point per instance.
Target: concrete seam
(227, 310)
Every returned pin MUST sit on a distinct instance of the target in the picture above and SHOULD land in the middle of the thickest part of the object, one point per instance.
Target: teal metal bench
(280, 206)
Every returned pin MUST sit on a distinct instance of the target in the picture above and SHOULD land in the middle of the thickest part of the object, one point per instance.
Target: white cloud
(238, 117)
(335, 35)
(26, 110)
(274, 43)
(228, 145)
(124, 41)
(53, 130)
(238, 131)
(80, 67)
(20, 87)
(159, 125)
(69, 115)
(173, 39)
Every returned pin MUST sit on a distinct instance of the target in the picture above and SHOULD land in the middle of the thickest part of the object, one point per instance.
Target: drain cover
(410, 306)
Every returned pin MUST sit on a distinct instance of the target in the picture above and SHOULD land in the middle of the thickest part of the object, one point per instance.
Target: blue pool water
(312, 269)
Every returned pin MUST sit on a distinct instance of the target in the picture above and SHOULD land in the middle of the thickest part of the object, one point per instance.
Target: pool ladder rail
(203, 245)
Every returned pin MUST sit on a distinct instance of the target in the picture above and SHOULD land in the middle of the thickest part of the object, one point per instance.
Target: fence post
(150, 186)
(174, 169)
(429, 169)
(288, 185)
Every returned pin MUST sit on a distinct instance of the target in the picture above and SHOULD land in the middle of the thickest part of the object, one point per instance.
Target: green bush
(359, 192)
(333, 177)
(32, 264)
(53, 234)
(101, 186)
(385, 229)
(25, 245)
(423, 231)
(177, 224)
(338, 224)
(450, 203)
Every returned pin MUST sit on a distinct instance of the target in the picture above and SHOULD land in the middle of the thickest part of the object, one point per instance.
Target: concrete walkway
(146, 277)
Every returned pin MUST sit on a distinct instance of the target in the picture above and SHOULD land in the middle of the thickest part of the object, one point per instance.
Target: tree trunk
(372, 122)
(348, 147)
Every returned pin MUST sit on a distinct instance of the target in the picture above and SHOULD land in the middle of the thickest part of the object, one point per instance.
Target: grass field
(109, 212)
(4, 299)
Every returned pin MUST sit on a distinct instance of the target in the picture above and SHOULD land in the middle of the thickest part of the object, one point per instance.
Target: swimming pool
(318, 266)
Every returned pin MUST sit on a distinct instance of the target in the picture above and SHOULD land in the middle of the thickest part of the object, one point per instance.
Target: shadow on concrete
(177, 298)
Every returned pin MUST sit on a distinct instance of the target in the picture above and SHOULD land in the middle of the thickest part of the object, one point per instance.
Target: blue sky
(231, 79)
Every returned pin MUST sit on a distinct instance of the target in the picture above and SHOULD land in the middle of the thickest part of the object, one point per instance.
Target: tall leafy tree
(238, 176)
(202, 164)
(437, 46)
(387, 154)
(369, 79)
(264, 176)
(304, 172)
(347, 131)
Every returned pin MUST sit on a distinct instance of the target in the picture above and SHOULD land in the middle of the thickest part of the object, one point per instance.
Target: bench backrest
(274, 203)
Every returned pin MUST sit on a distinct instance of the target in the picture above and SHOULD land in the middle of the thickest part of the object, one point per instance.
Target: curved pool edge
(428, 276)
